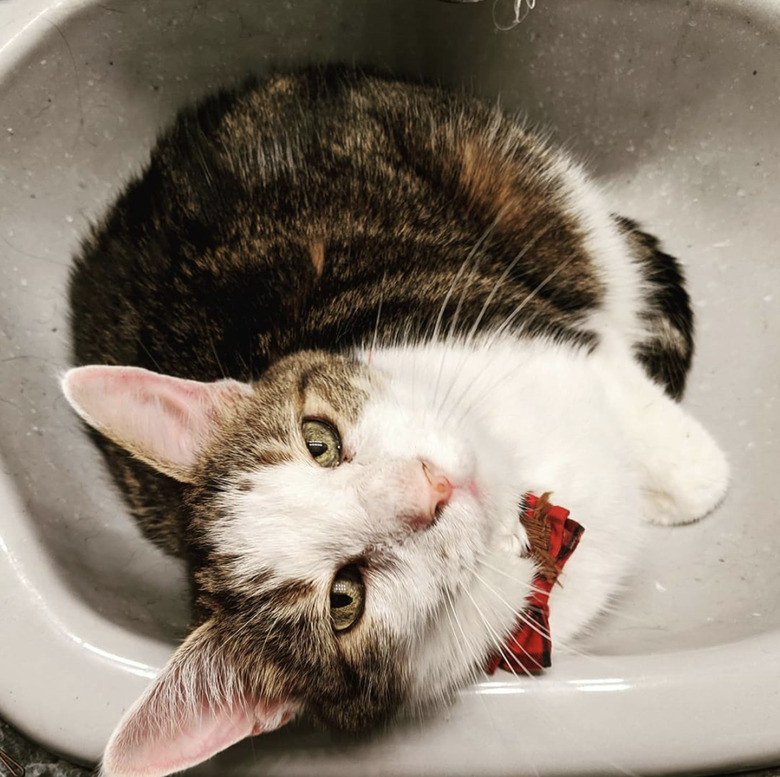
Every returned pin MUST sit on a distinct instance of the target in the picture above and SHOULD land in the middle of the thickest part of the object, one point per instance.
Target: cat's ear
(164, 421)
(196, 708)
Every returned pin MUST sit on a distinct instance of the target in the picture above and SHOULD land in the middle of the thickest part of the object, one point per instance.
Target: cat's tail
(666, 351)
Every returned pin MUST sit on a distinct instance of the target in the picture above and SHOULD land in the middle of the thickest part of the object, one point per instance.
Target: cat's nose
(439, 489)
(426, 489)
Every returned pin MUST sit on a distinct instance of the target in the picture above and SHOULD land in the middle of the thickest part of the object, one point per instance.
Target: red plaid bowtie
(553, 537)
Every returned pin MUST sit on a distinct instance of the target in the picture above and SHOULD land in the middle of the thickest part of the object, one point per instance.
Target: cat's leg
(684, 474)
(645, 352)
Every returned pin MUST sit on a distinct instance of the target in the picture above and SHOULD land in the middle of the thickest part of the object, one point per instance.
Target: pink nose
(440, 488)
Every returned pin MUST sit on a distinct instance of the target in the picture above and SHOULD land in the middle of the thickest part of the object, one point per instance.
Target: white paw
(686, 478)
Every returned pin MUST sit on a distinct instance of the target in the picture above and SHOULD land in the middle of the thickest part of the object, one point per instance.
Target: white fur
(584, 201)
(510, 417)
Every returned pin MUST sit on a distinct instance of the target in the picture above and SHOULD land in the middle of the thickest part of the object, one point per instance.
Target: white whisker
(530, 623)
(378, 315)
(496, 638)
(531, 295)
(511, 266)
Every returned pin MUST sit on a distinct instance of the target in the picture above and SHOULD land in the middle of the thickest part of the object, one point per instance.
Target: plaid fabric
(528, 648)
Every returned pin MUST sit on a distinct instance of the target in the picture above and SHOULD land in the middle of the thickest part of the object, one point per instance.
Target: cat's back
(278, 215)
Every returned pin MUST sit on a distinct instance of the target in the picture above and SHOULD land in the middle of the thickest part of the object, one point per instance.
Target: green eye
(323, 443)
(347, 595)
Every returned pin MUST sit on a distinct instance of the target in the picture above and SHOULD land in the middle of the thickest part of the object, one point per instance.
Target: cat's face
(347, 523)
(346, 515)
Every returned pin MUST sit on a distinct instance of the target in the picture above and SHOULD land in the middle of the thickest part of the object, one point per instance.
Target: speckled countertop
(36, 762)
(39, 763)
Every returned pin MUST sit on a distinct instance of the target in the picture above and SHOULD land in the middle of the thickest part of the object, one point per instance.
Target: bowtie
(553, 537)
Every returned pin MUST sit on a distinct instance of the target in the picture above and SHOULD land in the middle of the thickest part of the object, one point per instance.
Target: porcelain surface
(674, 105)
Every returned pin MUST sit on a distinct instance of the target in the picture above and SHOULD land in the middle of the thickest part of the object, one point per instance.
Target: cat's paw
(688, 478)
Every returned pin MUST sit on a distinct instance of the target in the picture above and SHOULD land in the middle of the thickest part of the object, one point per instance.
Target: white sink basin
(677, 107)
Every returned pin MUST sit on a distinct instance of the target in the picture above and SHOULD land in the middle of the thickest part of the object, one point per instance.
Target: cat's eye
(347, 597)
(323, 442)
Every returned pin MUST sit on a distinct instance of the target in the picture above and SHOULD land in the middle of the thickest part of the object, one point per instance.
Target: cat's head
(352, 541)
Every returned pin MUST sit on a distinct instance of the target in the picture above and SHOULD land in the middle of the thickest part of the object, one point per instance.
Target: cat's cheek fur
(292, 522)
(468, 629)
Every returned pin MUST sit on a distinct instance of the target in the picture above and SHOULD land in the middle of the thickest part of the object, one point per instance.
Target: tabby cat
(328, 340)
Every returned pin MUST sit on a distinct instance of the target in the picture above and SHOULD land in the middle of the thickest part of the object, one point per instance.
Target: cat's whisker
(497, 381)
(451, 331)
(518, 613)
(378, 316)
(210, 338)
(270, 632)
(249, 623)
(146, 350)
(528, 674)
(532, 295)
(475, 672)
(469, 338)
(461, 645)
(501, 329)
(504, 573)
(504, 275)
(496, 638)
(565, 645)
(488, 343)
(456, 375)
(450, 339)
(529, 622)
(475, 265)
(468, 660)
(435, 337)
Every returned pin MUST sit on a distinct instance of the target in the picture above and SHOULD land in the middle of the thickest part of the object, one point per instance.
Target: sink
(674, 105)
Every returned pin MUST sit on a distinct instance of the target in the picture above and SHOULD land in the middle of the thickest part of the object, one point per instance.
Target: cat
(327, 341)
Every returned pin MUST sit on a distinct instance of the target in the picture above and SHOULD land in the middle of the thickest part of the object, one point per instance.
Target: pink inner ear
(183, 718)
(193, 743)
(162, 420)
(140, 749)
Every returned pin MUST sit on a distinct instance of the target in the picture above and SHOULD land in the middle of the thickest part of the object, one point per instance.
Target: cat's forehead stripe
(339, 384)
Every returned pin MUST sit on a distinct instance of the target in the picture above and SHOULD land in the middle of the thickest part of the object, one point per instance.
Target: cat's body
(453, 298)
